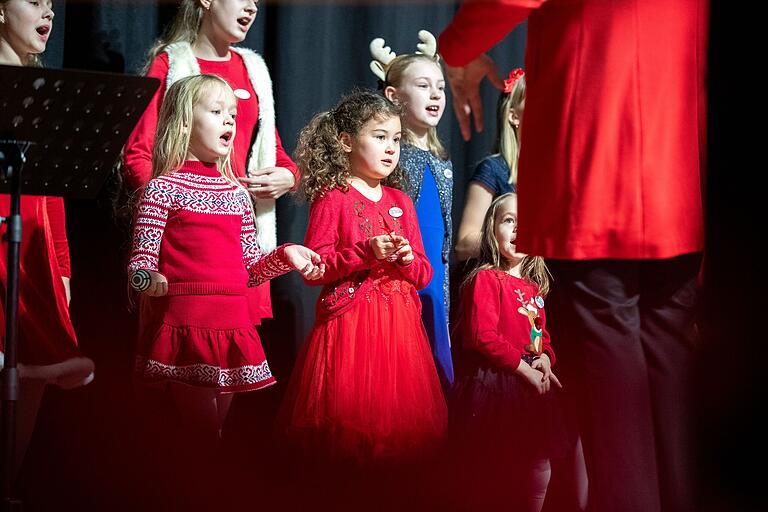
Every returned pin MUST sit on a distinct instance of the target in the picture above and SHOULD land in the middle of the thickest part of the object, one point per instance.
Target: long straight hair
(174, 125)
(184, 27)
(532, 268)
(508, 135)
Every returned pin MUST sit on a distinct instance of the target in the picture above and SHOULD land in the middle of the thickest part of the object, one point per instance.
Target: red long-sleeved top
(614, 121)
(138, 149)
(340, 227)
(490, 321)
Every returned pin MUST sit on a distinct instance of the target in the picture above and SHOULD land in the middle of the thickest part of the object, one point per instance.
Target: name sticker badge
(539, 301)
(242, 94)
(395, 212)
(448, 173)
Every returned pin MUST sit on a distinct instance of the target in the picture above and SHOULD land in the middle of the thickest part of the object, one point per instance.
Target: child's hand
(534, 377)
(384, 246)
(544, 366)
(305, 261)
(405, 252)
(149, 282)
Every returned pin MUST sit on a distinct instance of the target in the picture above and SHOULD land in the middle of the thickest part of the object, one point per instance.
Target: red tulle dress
(365, 387)
(196, 229)
(47, 344)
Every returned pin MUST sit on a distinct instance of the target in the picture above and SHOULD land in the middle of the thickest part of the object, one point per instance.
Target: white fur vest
(182, 63)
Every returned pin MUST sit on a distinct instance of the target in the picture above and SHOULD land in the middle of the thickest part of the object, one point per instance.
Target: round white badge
(395, 212)
(242, 94)
(448, 173)
(539, 301)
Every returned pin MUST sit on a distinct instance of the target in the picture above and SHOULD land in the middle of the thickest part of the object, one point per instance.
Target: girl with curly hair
(364, 388)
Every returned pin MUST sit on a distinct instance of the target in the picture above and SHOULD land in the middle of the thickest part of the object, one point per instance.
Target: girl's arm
(137, 156)
(283, 160)
(483, 307)
(479, 198)
(261, 267)
(58, 223)
(157, 201)
(325, 218)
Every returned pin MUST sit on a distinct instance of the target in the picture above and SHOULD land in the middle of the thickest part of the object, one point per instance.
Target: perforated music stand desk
(61, 133)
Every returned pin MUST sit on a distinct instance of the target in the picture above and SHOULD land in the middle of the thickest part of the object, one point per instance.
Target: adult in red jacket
(609, 191)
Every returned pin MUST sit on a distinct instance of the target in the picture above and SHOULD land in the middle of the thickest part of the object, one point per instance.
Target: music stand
(61, 133)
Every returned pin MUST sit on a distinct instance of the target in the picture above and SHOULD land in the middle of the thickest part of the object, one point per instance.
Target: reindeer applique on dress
(530, 308)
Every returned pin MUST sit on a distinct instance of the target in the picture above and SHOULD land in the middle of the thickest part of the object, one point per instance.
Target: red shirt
(497, 311)
(614, 121)
(138, 149)
(340, 227)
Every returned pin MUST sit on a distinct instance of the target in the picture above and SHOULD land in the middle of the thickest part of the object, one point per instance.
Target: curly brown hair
(322, 161)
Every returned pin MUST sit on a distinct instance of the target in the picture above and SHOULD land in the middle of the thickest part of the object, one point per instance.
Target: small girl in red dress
(505, 416)
(195, 254)
(365, 388)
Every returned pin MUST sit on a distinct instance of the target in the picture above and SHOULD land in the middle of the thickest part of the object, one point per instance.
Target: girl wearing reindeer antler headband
(415, 81)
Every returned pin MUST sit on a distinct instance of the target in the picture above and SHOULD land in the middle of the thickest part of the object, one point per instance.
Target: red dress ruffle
(188, 339)
(365, 386)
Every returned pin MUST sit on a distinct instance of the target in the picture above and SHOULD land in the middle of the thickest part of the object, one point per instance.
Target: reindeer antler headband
(383, 55)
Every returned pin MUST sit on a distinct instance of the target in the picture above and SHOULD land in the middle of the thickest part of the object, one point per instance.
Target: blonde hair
(174, 125)
(394, 77)
(322, 161)
(532, 268)
(33, 59)
(184, 27)
(508, 135)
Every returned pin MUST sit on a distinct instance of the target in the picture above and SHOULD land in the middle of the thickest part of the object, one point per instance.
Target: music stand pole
(12, 159)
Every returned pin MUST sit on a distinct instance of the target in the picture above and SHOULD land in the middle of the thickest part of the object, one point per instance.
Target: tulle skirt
(497, 415)
(365, 387)
(201, 340)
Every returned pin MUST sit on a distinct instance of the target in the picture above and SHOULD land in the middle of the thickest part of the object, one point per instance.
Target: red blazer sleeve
(323, 237)
(58, 222)
(137, 157)
(479, 25)
(283, 160)
(419, 271)
(482, 303)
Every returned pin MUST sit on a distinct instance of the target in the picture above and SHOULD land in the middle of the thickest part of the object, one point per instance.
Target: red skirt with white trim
(202, 340)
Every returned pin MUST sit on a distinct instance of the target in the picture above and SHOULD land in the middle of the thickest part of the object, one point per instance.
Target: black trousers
(624, 332)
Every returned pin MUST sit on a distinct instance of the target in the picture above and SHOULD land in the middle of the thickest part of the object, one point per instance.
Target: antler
(382, 56)
(428, 44)
(521, 298)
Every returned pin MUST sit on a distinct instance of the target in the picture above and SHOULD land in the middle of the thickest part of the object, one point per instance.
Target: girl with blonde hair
(201, 39)
(415, 81)
(195, 252)
(505, 416)
(495, 174)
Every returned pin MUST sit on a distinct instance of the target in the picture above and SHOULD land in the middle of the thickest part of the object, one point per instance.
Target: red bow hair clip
(514, 75)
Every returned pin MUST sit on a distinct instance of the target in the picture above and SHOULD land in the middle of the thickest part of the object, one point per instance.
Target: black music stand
(61, 133)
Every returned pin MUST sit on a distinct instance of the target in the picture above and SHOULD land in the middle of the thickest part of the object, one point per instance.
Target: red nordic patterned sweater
(197, 230)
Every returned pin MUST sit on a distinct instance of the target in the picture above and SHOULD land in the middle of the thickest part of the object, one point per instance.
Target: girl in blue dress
(415, 82)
